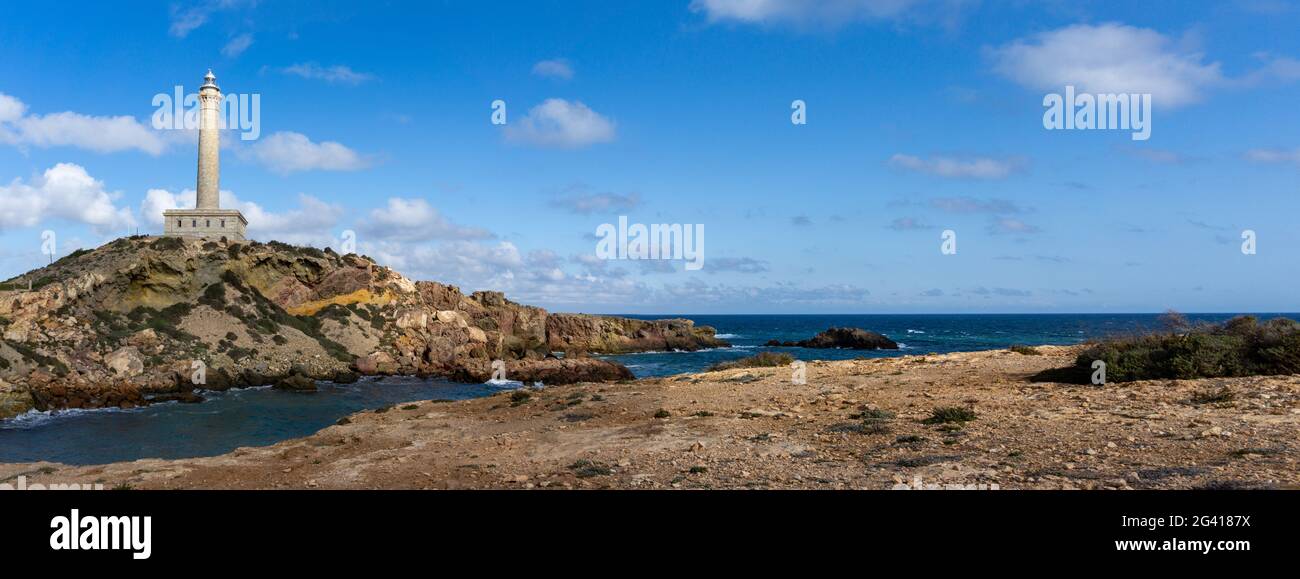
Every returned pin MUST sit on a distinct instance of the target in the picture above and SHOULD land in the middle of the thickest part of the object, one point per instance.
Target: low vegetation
(1025, 350)
(1242, 346)
(760, 360)
(950, 415)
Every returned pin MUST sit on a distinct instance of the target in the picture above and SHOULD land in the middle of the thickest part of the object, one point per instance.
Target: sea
(262, 416)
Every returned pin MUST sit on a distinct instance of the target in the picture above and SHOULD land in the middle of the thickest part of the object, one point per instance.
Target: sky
(922, 117)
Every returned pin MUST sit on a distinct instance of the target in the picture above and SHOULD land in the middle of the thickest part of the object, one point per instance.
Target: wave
(35, 418)
(504, 383)
(916, 331)
(727, 336)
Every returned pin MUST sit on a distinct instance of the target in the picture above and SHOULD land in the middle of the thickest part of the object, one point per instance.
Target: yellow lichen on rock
(361, 296)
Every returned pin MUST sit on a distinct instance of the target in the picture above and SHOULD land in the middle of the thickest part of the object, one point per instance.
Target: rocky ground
(130, 322)
(859, 424)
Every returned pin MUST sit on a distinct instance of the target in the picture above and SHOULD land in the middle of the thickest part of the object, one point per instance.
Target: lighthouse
(207, 219)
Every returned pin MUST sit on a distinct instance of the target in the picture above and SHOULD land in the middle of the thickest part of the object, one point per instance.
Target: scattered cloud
(1203, 225)
(69, 129)
(583, 203)
(974, 205)
(1274, 156)
(958, 168)
(696, 291)
(1158, 156)
(563, 124)
(65, 191)
(932, 293)
(337, 74)
(1001, 225)
(558, 68)
(289, 152)
(801, 221)
(1001, 292)
(908, 224)
(187, 18)
(415, 220)
(736, 264)
(826, 14)
(1109, 58)
(237, 45)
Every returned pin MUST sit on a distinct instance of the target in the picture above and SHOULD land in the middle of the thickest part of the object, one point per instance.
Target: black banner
(1167, 528)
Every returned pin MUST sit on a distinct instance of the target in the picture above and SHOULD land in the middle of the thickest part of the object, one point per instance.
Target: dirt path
(856, 424)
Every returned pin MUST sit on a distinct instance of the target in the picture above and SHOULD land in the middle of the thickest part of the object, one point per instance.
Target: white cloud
(415, 220)
(11, 109)
(69, 129)
(560, 123)
(554, 68)
(1000, 225)
(954, 168)
(802, 12)
(907, 224)
(311, 223)
(1274, 156)
(583, 203)
(337, 74)
(237, 45)
(64, 191)
(974, 205)
(289, 152)
(1109, 58)
(186, 19)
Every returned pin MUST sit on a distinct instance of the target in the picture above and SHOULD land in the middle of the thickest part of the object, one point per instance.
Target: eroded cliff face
(612, 335)
(144, 318)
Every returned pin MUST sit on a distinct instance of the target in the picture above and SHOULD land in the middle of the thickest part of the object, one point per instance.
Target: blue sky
(923, 116)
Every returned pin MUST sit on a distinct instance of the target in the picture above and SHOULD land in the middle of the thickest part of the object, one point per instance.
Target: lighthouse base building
(207, 219)
(227, 223)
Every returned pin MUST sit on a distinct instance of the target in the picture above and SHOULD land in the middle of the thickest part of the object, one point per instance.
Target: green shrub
(1025, 350)
(760, 360)
(167, 244)
(214, 296)
(584, 468)
(950, 414)
(1242, 346)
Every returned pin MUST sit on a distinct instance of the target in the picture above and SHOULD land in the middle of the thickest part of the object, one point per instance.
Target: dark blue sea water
(916, 334)
(262, 416)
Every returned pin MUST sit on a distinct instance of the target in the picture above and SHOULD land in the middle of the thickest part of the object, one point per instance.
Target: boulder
(125, 362)
(296, 383)
(376, 363)
(550, 371)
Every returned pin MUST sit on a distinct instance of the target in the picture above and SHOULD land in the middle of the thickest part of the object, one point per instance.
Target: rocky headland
(143, 319)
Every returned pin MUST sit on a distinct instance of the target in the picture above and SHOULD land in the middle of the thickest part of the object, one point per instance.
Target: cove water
(263, 416)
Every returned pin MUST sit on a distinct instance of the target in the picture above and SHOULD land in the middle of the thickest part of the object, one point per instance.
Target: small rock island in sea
(846, 338)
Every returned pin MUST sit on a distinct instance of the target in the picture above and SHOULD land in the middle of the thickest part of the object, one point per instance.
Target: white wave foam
(727, 336)
(504, 383)
(916, 331)
(35, 418)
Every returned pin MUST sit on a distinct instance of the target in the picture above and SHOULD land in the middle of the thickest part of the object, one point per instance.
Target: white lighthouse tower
(207, 219)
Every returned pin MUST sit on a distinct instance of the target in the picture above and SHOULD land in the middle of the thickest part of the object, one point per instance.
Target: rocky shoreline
(145, 318)
(962, 420)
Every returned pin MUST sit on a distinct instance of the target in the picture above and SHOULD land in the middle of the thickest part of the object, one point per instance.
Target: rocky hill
(143, 319)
